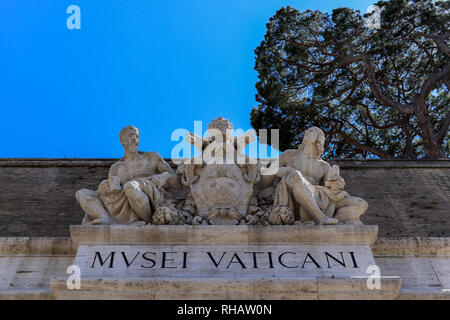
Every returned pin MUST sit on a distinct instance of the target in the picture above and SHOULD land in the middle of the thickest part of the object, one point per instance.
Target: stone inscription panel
(223, 261)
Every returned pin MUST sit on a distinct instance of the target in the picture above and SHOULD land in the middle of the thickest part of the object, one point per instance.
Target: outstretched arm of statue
(284, 171)
(166, 177)
(166, 180)
(281, 172)
(195, 140)
(160, 164)
(244, 140)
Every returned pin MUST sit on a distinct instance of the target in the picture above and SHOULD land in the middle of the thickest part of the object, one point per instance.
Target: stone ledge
(107, 162)
(399, 246)
(388, 164)
(223, 234)
(34, 294)
(198, 288)
(411, 246)
(37, 245)
(418, 294)
(55, 162)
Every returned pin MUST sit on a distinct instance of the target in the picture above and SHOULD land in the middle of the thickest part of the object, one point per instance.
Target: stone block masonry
(406, 198)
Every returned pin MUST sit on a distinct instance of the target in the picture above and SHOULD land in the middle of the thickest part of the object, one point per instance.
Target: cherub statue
(134, 191)
(220, 179)
(313, 185)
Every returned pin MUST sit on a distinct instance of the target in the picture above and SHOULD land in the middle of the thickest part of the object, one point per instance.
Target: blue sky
(158, 65)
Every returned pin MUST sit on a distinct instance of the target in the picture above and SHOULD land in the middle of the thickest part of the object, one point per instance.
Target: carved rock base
(225, 262)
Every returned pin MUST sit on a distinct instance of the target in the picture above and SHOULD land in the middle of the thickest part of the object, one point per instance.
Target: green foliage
(374, 92)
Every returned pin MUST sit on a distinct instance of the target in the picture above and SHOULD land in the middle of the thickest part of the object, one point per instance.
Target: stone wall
(406, 198)
(27, 265)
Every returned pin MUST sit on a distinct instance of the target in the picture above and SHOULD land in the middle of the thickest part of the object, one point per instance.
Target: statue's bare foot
(101, 221)
(328, 221)
(356, 222)
(138, 223)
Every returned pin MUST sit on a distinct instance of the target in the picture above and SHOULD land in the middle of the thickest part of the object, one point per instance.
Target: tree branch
(432, 80)
(444, 129)
(402, 108)
(363, 146)
(439, 40)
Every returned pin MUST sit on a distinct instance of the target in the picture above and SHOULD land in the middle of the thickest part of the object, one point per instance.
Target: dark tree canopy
(374, 92)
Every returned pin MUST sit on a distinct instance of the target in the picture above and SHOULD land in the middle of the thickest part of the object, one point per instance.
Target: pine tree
(376, 93)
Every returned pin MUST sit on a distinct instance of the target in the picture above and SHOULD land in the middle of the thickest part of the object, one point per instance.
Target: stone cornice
(107, 162)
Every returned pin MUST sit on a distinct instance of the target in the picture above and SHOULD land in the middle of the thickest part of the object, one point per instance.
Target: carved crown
(220, 124)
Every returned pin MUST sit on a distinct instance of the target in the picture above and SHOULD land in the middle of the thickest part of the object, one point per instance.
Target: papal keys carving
(221, 185)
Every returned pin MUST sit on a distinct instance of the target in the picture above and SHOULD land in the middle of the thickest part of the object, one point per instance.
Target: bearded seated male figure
(134, 189)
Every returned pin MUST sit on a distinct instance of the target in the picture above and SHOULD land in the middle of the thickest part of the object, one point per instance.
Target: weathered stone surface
(39, 201)
(192, 262)
(348, 289)
(409, 202)
(226, 289)
(241, 234)
(221, 179)
(398, 246)
(134, 191)
(231, 261)
(406, 198)
(27, 264)
(31, 272)
(310, 189)
(36, 246)
(422, 277)
(189, 288)
(413, 259)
